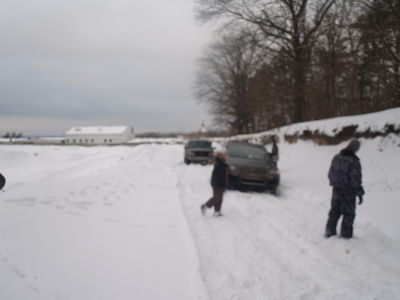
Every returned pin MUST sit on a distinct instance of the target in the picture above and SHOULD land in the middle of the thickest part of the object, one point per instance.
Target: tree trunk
(299, 85)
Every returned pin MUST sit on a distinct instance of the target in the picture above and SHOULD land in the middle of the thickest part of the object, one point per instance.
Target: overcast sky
(99, 62)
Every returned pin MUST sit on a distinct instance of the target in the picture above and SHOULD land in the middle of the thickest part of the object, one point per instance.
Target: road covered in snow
(268, 247)
(94, 223)
(125, 223)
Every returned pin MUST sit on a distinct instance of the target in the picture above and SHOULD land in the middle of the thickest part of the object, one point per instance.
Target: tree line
(12, 135)
(277, 62)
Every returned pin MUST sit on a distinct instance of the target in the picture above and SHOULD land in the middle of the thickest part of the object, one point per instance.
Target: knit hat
(354, 145)
(221, 154)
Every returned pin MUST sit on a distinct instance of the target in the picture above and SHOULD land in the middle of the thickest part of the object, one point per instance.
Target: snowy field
(91, 223)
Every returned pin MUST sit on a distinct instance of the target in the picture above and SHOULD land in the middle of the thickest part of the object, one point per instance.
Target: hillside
(335, 130)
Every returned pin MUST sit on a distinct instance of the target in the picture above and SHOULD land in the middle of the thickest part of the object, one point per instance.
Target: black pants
(343, 204)
(216, 200)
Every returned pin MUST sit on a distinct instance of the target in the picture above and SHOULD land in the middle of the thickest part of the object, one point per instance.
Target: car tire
(275, 191)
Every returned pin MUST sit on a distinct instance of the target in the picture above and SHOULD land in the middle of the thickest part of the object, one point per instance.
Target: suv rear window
(199, 144)
(247, 151)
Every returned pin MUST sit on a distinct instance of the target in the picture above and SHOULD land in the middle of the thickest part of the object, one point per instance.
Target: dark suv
(199, 151)
(252, 166)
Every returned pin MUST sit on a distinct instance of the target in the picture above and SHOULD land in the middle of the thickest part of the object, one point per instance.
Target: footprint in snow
(138, 226)
(21, 274)
(112, 220)
(47, 202)
(25, 201)
(72, 213)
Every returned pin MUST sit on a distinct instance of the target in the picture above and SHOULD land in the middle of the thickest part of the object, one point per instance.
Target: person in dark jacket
(2, 181)
(345, 179)
(275, 150)
(219, 182)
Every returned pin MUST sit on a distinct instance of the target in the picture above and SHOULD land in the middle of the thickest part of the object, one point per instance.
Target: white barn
(99, 135)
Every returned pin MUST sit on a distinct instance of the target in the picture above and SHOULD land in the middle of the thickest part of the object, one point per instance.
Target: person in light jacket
(219, 182)
(346, 181)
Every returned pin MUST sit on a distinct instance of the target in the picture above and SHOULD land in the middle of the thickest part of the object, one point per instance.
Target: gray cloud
(92, 61)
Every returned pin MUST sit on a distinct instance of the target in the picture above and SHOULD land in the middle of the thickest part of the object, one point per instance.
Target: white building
(99, 135)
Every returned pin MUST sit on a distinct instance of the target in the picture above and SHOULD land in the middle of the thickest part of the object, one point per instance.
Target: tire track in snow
(247, 255)
(269, 256)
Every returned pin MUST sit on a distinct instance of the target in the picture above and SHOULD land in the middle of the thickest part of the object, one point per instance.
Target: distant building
(99, 135)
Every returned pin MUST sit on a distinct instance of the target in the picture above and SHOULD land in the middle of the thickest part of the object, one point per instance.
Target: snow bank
(373, 124)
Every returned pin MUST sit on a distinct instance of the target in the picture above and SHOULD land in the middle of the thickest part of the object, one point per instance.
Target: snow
(94, 223)
(169, 141)
(124, 223)
(374, 122)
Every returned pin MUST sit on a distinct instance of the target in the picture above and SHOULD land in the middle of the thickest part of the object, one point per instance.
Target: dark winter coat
(2, 181)
(345, 173)
(219, 177)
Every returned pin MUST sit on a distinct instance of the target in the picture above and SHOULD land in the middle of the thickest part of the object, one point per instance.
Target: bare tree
(334, 64)
(383, 17)
(223, 81)
(380, 39)
(272, 91)
(287, 26)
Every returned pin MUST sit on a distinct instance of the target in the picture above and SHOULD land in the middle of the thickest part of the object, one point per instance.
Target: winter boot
(203, 209)
(329, 233)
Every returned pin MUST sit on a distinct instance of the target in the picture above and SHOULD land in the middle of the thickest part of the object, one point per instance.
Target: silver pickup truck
(199, 151)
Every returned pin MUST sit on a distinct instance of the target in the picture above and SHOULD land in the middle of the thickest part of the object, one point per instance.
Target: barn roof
(97, 130)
